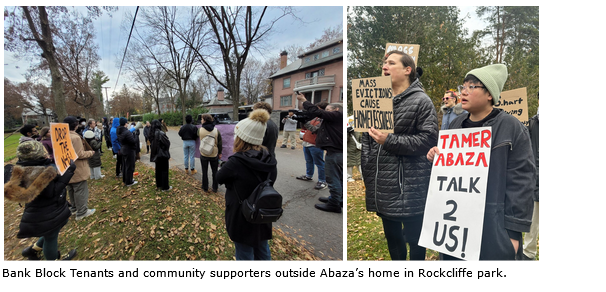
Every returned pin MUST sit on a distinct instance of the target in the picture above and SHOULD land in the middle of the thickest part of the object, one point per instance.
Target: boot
(194, 171)
(186, 171)
(70, 255)
(31, 254)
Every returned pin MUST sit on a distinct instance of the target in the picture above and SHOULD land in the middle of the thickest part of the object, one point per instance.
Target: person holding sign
(511, 172)
(394, 168)
(78, 186)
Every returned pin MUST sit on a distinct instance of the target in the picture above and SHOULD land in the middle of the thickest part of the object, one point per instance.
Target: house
(219, 104)
(165, 105)
(318, 74)
(30, 116)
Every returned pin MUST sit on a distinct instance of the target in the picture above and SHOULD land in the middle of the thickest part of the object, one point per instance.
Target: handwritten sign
(373, 104)
(454, 210)
(515, 103)
(63, 150)
(411, 50)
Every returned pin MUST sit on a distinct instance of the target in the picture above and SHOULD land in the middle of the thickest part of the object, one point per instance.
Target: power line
(125, 49)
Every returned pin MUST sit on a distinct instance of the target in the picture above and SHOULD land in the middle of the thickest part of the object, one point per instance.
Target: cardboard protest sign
(63, 150)
(411, 50)
(373, 104)
(515, 103)
(454, 210)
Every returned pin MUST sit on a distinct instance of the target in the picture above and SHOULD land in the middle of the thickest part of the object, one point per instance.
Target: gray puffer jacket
(396, 174)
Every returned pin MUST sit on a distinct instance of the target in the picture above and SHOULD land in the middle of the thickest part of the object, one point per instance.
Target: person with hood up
(451, 108)
(128, 147)
(208, 128)
(239, 174)
(35, 182)
(160, 154)
(116, 146)
(394, 168)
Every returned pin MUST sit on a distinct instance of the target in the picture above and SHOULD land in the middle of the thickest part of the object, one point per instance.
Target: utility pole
(106, 100)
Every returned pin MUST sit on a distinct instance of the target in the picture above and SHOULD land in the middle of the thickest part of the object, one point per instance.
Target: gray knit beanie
(493, 77)
(252, 129)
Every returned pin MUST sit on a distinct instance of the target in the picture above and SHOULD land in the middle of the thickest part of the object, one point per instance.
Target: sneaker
(134, 183)
(194, 171)
(320, 185)
(118, 176)
(305, 178)
(169, 188)
(350, 180)
(283, 146)
(88, 213)
(115, 156)
(30, 253)
(70, 255)
(293, 147)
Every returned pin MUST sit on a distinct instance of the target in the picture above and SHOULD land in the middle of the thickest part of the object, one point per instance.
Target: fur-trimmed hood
(28, 182)
(457, 109)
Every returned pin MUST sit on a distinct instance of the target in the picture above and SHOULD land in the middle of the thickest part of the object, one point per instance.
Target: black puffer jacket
(37, 184)
(396, 174)
(127, 141)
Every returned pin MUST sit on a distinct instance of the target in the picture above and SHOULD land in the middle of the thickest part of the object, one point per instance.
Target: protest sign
(515, 103)
(454, 210)
(372, 104)
(63, 150)
(411, 50)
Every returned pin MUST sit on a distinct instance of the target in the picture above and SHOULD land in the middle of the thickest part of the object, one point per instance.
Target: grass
(10, 146)
(142, 223)
(365, 236)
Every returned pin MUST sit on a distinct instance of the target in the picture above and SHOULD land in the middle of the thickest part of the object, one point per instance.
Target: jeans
(214, 165)
(189, 150)
(245, 252)
(395, 229)
(314, 155)
(334, 177)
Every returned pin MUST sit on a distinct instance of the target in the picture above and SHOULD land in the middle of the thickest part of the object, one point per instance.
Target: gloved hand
(72, 166)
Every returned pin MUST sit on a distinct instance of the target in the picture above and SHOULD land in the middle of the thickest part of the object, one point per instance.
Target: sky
(110, 38)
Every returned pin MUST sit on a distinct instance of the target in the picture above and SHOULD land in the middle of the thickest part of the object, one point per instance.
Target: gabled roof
(298, 64)
(322, 47)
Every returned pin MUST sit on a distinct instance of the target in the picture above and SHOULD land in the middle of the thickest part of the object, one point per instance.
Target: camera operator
(330, 139)
(290, 130)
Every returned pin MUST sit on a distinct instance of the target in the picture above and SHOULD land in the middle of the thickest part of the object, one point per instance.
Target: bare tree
(148, 76)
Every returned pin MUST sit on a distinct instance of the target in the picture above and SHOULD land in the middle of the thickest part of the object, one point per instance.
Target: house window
(316, 56)
(314, 73)
(324, 54)
(286, 101)
(286, 83)
(336, 50)
(307, 59)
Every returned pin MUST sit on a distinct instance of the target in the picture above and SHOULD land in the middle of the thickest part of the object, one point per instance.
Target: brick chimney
(220, 95)
(283, 57)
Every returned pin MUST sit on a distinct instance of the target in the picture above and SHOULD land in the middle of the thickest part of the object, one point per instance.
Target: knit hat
(123, 121)
(252, 129)
(70, 120)
(493, 77)
(31, 150)
(89, 134)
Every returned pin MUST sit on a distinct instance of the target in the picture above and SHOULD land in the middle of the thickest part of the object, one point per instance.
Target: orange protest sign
(63, 149)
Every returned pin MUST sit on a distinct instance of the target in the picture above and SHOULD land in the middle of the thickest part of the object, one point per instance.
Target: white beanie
(252, 129)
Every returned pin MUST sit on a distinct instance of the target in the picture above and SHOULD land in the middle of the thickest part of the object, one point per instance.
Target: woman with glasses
(511, 173)
(395, 170)
(451, 108)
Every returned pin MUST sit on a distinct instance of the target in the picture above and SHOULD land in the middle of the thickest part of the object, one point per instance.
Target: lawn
(10, 146)
(142, 223)
(365, 236)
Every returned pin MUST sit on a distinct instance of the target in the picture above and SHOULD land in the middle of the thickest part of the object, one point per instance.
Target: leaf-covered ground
(143, 223)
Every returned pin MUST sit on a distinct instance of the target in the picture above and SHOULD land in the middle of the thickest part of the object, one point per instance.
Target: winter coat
(95, 160)
(160, 146)
(396, 174)
(127, 140)
(82, 172)
(114, 136)
(450, 113)
(188, 132)
(37, 184)
(146, 131)
(289, 124)
(48, 145)
(353, 153)
(205, 130)
(533, 129)
(510, 185)
(25, 138)
(330, 134)
(238, 175)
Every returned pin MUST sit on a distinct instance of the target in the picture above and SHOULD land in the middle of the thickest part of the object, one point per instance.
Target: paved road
(322, 232)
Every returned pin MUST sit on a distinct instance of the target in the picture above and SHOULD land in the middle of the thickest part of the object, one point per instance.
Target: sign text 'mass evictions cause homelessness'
(454, 210)
(411, 50)
(372, 104)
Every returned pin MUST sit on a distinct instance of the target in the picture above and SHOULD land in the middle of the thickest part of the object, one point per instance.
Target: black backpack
(264, 205)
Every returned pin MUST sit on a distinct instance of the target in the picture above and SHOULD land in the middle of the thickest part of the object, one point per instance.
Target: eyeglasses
(446, 98)
(468, 88)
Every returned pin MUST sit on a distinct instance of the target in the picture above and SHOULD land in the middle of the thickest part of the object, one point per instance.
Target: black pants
(128, 167)
(394, 228)
(118, 164)
(162, 173)
(214, 165)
